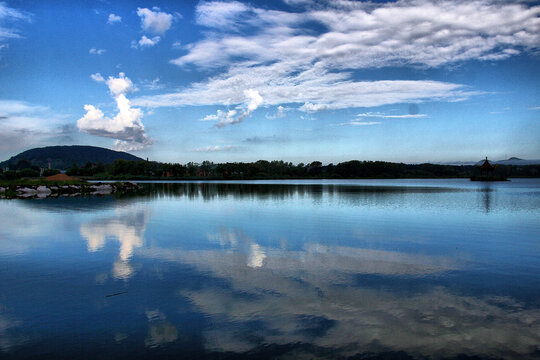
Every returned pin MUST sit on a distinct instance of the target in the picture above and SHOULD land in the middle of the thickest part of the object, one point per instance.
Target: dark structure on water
(487, 172)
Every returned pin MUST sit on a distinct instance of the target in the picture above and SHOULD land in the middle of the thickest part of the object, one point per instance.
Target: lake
(363, 269)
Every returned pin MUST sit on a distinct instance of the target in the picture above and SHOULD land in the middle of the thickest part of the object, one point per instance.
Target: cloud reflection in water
(127, 229)
(313, 296)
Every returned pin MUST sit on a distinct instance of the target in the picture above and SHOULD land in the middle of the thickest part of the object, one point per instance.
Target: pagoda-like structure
(486, 172)
(486, 168)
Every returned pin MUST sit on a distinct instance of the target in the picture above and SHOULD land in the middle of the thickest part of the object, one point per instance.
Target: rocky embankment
(56, 190)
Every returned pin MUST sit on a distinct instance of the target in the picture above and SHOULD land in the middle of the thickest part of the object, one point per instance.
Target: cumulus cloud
(95, 51)
(280, 113)
(288, 62)
(97, 77)
(154, 21)
(114, 19)
(126, 127)
(309, 107)
(252, 101)
(145, 42)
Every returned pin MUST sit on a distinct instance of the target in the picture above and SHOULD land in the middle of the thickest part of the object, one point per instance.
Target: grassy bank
(38, 182)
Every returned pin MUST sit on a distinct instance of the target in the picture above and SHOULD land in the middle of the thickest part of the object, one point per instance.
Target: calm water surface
(279, 269)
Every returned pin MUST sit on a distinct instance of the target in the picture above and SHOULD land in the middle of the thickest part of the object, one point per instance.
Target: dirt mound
(60, 177)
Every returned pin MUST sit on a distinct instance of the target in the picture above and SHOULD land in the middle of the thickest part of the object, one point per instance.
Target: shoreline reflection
(328, 271)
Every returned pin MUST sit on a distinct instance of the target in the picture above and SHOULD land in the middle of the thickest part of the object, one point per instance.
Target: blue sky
(293, 80)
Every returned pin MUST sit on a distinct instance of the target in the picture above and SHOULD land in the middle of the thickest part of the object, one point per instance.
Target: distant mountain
(510, 161)
(517, 161)
(63, 157)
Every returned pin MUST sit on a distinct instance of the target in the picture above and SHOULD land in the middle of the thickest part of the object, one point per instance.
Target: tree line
(262, 169)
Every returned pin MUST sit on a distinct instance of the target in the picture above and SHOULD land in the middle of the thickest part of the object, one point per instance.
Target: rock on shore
(43, 191)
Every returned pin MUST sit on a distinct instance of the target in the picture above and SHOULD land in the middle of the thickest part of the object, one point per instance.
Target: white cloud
(9, 18)
(12, 107)
(153, 85)
(280, 113)
(397, 33)
(126, 126)
(10, 15)
(384, 116)
(252, 101)
(219, 14)
(215, 148)
(145, 42)
(26, 125)
(155, 22)
(289, 62)
(114, 19)
(535, 108)
(316, 89)
(97, 77)
(309, 107)
(95, 51)
(255, 100)
(360, 123)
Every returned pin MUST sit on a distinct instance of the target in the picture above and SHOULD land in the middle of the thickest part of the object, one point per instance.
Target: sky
(293, 80)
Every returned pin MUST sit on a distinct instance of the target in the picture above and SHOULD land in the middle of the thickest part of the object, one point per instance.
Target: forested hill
(63, 157)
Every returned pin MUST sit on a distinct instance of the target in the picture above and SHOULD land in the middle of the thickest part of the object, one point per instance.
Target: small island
(487, 172)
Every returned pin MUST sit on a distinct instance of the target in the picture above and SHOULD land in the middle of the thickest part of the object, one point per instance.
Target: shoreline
(42, 190)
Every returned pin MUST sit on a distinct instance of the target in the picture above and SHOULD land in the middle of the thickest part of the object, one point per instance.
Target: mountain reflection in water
(221, 270)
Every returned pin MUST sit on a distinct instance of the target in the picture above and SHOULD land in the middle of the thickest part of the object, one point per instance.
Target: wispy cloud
(24, 124)
(218, 14)
(252, 101)
(95, 51)
(291, 62)
(359, 123)
(153, 84)
(385, 116)
(316, 91)
(216, 148)
(16, 107)
(126, 127)
(255, 140)
(9, 19)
